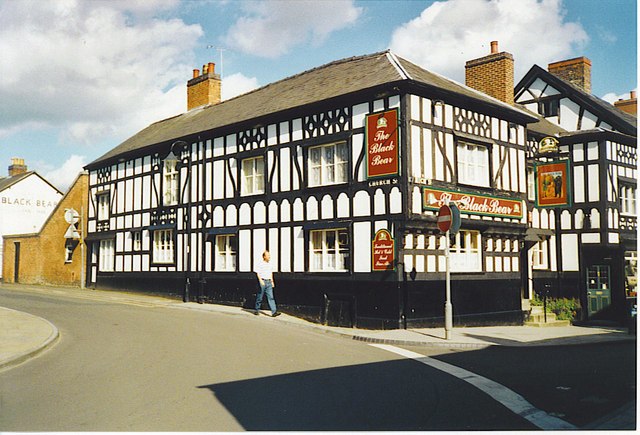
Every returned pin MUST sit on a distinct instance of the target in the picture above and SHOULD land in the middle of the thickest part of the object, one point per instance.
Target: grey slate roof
(319, 84)
(7, 182)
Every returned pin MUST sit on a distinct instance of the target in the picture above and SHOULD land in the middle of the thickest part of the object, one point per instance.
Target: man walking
(265, 278)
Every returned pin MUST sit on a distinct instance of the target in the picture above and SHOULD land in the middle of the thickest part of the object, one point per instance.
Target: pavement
(24, 336)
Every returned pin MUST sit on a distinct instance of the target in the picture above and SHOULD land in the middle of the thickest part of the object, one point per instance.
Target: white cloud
(272, 28)
(63, 176)
(237, 84)
(612, 97)
(86, 67)
(449, 33)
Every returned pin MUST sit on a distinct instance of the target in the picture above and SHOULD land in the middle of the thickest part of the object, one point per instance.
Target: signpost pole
(82, 249)
(448, 308)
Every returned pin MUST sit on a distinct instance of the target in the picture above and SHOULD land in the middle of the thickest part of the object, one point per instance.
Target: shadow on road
(391, 395)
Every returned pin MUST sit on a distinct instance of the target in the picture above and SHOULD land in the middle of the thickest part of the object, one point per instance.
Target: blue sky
(79, 77)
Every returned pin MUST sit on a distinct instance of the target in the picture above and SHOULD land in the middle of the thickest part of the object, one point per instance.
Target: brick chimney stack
(492, 74)
(204, 89)
(17, 167)
(630, 105)
(576, 71)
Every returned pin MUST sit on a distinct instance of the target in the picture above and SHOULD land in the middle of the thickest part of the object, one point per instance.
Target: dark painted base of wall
(344, 300)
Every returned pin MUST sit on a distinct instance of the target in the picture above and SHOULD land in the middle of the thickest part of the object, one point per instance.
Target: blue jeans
(268, 289)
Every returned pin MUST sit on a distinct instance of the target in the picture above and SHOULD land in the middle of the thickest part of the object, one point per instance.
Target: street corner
(23, 336)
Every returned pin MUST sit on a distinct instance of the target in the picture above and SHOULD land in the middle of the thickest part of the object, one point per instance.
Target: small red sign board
(444, 218)
(552, 184)
(382, 144)
(383, 249)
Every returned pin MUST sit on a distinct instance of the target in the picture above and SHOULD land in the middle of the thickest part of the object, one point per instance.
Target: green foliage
(564, 309)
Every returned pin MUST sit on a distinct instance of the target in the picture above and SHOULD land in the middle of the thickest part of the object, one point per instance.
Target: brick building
(46, 256)
(26, 201)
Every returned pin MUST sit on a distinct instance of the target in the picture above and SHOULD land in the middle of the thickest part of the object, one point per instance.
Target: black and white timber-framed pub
(339, 171)
(590, 251)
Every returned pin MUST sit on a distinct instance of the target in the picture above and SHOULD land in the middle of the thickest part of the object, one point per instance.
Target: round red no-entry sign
(444, 218)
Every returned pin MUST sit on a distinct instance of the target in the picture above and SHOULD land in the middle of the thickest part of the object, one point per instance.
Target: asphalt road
(579, 384)
(135, 368)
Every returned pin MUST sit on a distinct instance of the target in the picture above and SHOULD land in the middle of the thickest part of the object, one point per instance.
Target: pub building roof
(619, 120)
(7, 182)
(330, 82)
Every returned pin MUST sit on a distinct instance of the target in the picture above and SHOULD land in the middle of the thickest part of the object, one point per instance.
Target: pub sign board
(382, 144)
(383, 250)
(471, 203)
(553, 184)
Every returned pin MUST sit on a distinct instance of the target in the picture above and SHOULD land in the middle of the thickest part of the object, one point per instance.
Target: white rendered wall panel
(578, 184)
(395, 201)
(298, 250)
(593, 180)
(416, 164)
(285, 169)
(218, 179)
(513, 169)
(285, 249)
(244, 251)
(361, 247)
(570, 261)
(343, 206)
(231, 177)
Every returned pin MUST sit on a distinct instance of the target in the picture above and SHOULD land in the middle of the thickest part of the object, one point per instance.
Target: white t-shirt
(263, 270)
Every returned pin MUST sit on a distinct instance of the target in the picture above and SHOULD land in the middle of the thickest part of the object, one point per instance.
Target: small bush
(563, 308)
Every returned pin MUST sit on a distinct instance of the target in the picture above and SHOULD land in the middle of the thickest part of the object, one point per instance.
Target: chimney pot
(494, 47)
(203, 89)
(17, 167)
(633, 94)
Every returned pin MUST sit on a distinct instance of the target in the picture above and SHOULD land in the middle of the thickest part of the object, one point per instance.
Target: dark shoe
(276, 314)
(256, 312)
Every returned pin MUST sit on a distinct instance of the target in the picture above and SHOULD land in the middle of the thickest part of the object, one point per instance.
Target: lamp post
(172, 159)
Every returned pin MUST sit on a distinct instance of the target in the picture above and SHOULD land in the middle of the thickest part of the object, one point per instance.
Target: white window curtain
(170, 186)
(466, 255)
(163, 246)
(106, 255)
(329, 250)
(225, 259)
(103, 206)
(253, 176)
(473, 164)
(540, 252)
(328, 164)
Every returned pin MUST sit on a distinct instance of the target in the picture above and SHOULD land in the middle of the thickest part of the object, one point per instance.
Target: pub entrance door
(598, 288)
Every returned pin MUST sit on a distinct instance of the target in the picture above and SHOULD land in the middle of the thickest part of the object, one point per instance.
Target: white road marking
(510, 399)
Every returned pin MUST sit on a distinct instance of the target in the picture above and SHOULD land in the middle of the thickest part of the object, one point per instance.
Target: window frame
(231, 251)
(170, 183)
(549, 107)
(628, 199)
(323, 166)
(540, 255)
(462, 250)
(107, 255)
(531, 184)
(258, 172)
(340, 250)
(103, 206)
(161, 246)
(463, 173)
(136, 241)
